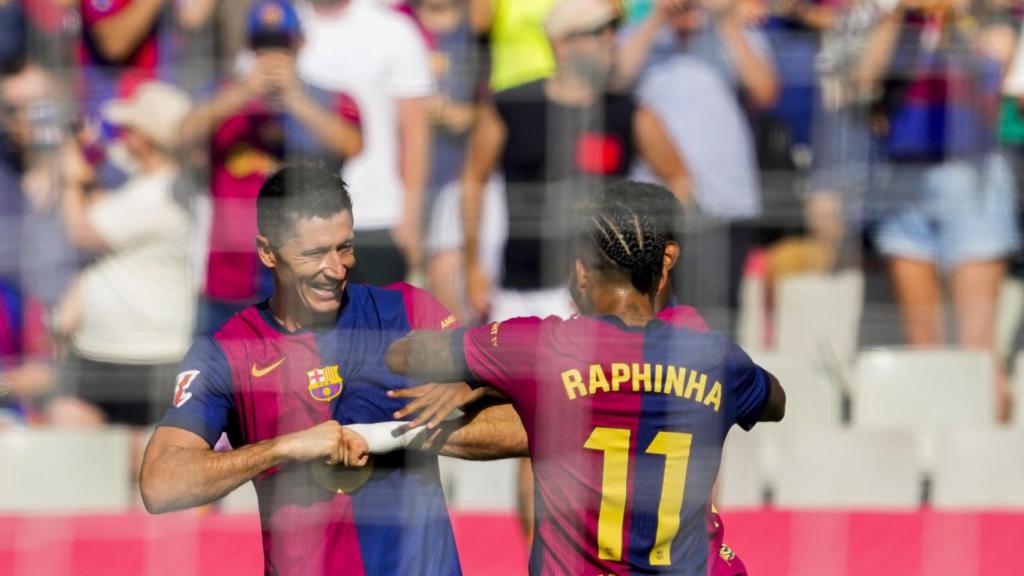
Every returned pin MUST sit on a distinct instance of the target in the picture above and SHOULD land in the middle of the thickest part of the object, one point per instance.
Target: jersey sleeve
(504, 355)
(423, 310)
(747, 384)
(202, 392)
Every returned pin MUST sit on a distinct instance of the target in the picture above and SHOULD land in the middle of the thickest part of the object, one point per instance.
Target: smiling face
(311, 263)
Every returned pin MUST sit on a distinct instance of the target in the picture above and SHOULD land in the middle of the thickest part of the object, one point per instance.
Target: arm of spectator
(194, 14)
(453, 117)
(204, 119)
(414, 136)
(74, 208)
(481, 15)
(755, 70)
(631, 54)
(117, 36)
(820, 17)
(660, 153)
(333, 131)
(180, 469)
(485, 144)
(877, 53)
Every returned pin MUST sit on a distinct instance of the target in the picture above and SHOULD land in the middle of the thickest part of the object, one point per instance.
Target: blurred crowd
(802, 136)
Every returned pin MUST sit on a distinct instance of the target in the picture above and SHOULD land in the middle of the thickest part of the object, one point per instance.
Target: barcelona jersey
(625, 428)
(256, 381)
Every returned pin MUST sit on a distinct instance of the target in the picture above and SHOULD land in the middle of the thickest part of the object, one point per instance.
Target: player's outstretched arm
(180, 470)
(492, 433)
(426, 355)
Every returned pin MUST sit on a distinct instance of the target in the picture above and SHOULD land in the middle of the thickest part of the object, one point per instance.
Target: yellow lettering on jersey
(675, 379)
(597, 380)
(573, 382)
(695, 387)
(620, 375)
(714, 396)
(658, 371)
(641, 375)
(447, 322)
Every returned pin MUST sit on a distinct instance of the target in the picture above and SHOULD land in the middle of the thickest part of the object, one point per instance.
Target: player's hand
(478, 291)
(357, 450)
(433, 403)
(327, 441)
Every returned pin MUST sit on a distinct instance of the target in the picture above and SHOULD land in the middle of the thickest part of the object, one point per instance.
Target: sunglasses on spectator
(610, 26)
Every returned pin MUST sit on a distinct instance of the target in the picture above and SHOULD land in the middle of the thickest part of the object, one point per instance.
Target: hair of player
(651, 200)
(618, 238)
(299, 191)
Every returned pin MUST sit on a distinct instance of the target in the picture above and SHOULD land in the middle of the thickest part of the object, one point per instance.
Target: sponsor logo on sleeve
(181, 384)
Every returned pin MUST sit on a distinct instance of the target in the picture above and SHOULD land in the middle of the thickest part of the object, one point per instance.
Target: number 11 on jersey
(614, 443)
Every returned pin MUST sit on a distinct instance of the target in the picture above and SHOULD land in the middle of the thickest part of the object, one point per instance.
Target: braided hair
(615, 237)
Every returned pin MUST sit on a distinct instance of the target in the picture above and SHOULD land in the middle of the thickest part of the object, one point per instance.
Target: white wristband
(381, 438)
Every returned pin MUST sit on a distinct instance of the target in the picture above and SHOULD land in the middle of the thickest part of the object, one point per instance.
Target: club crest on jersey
(324, 383)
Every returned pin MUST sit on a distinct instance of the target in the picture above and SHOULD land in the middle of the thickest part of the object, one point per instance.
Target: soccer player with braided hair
(625, 414)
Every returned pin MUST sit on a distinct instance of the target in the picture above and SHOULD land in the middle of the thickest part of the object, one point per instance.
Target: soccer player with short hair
(625, 414)
(281, 378)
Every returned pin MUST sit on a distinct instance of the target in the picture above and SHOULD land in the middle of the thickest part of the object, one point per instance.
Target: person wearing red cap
(252, 125)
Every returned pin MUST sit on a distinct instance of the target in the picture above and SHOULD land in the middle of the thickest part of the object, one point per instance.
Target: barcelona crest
(324, 383)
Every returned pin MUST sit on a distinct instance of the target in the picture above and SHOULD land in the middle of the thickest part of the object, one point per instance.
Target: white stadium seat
(241, 500)
(848, 468)
(925, 389)
(65, 470)
(817, 316)
(813, 397)
(740, 480)
(480, 486)
(979, 469)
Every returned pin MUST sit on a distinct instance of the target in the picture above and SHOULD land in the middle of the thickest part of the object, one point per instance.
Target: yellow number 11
(614, 442)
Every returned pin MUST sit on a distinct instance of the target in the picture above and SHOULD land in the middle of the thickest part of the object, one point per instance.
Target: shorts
(129, 394)
(379, 260)
(541, 303)
(444, 231)
(963, 212)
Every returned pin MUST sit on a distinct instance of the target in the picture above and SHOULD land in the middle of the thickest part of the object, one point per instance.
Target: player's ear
(671, 256)
(266, 251)
(581, 277)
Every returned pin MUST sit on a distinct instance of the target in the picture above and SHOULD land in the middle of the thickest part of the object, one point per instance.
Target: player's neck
(294, 317)
(630, 306)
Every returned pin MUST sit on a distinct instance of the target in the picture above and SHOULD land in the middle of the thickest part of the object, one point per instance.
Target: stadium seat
(241, 500)
(848, 468)
(480, 486)
(740, 480)
(979, 469)
(65, 470)
(923, 388)
(1017, 389)
(813, 396)
(817, 316)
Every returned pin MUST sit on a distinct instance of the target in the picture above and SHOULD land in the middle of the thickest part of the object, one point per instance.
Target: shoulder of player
(206, 355)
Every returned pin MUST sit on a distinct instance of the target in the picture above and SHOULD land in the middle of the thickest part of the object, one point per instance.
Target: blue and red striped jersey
(256, 381)
(625, 428)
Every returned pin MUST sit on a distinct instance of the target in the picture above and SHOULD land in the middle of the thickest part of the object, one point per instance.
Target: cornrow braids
(618, 238)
